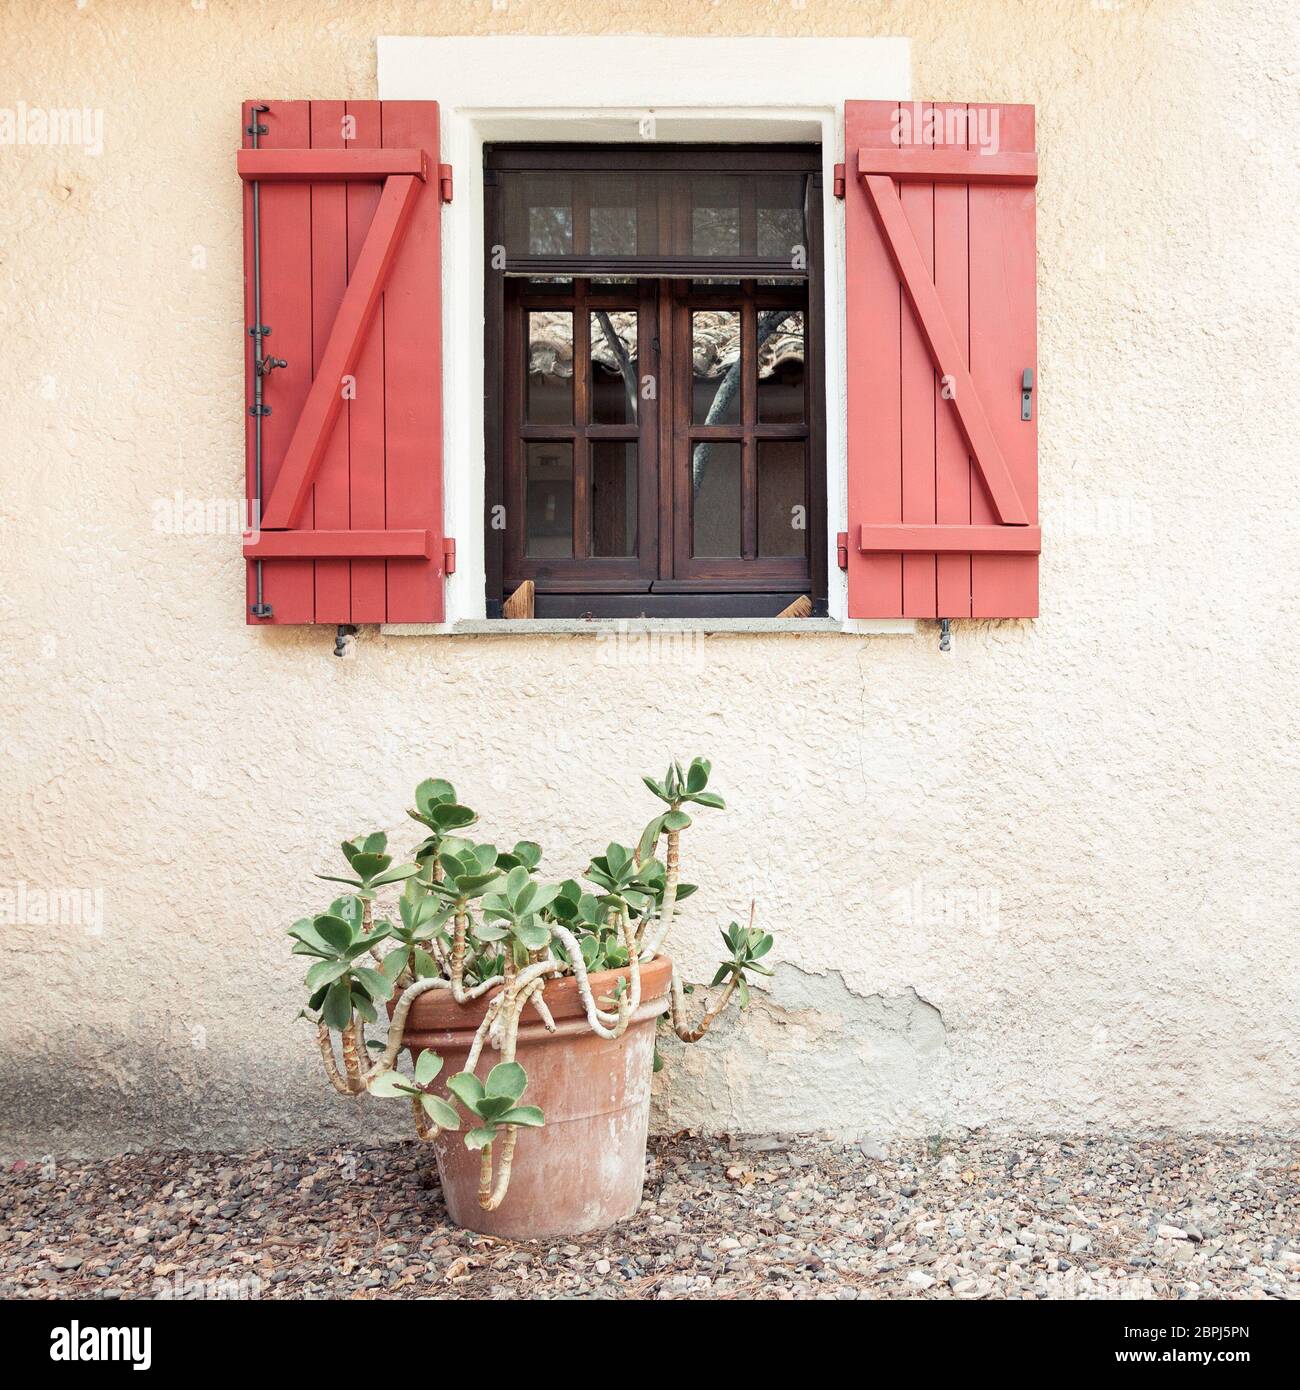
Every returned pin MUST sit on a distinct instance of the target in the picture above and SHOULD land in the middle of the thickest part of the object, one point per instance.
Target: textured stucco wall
(1044, 881)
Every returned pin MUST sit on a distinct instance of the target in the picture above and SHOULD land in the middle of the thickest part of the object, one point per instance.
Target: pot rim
(436, 1014)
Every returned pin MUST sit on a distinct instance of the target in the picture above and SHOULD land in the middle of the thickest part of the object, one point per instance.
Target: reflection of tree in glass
(620, 354)
(550, 231)
(768, 323)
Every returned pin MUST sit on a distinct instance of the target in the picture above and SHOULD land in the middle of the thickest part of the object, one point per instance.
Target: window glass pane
(715, 367)
(782, 503)
(715, 513)
(613, 367)
(613, 215)
(549, 501)
(779, 218)
(780, 367)
(613, 497)
(543, 220)
(550, 367)
(715, 216)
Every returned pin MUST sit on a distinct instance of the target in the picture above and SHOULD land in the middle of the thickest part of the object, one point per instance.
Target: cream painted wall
(1045, 881)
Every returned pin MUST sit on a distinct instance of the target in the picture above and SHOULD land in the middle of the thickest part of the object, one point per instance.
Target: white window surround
(693, 89)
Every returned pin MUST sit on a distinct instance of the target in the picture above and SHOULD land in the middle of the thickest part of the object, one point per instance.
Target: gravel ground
(741, 1218)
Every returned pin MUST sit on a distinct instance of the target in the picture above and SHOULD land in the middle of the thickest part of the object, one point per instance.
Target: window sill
(603, 627)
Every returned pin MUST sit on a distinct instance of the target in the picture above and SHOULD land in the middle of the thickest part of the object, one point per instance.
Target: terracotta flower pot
(585, 1167)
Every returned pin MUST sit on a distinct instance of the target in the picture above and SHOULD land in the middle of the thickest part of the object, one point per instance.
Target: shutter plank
(413, 390)
(329, 278)
(288, 586)
(917, 408)
(953, 480)
(366, 412)
(873, 340)
(1003, 342)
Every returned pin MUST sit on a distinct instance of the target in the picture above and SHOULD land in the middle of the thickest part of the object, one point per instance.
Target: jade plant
(480, 922)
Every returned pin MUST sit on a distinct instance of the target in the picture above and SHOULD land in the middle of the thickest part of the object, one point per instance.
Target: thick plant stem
(515, 994)
(601, 1023)
(331, 1065)
(351, 1061)
(458, 955)
(672, 870)
(367, 926)
(685, 1033)
(634, 968)
(424, 1126)
(492, 1193)
(485, 1177)
(542, 1011)
(481, 1033)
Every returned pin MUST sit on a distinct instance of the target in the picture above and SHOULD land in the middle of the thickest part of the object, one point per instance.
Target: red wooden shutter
(942, 468)
(350, 232)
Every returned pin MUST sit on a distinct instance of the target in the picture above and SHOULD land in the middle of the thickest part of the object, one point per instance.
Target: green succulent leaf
(334, 931)
(394, 875)
(350, 909)
(491, 1108)
(362, 1006)
(649, 839)
(427, 1066)
(389, 1084)
(533, 935)
(676, 821)
(697, 775)
(528, 1115)
(337, 1012)
(394, 963)
(431, 792)
(658, 788)
(366, 866)
(480, 1138)
(709, 799)
(449, 816)
(325, 973)
(377, 985)
(467, 1089)
(507, 1079)
(423, 965)
(442, 1114)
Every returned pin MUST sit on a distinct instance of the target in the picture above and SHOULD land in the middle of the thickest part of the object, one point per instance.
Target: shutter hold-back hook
(945, 635)
(342, 638)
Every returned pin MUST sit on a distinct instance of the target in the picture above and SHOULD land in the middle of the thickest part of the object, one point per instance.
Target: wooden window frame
(663, 580)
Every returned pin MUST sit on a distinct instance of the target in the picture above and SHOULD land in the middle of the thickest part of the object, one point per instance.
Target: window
(653, 381)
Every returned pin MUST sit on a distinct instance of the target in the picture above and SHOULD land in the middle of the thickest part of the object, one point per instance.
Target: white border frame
(695, 90)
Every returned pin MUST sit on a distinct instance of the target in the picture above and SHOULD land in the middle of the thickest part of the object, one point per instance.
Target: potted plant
(528, 1007)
